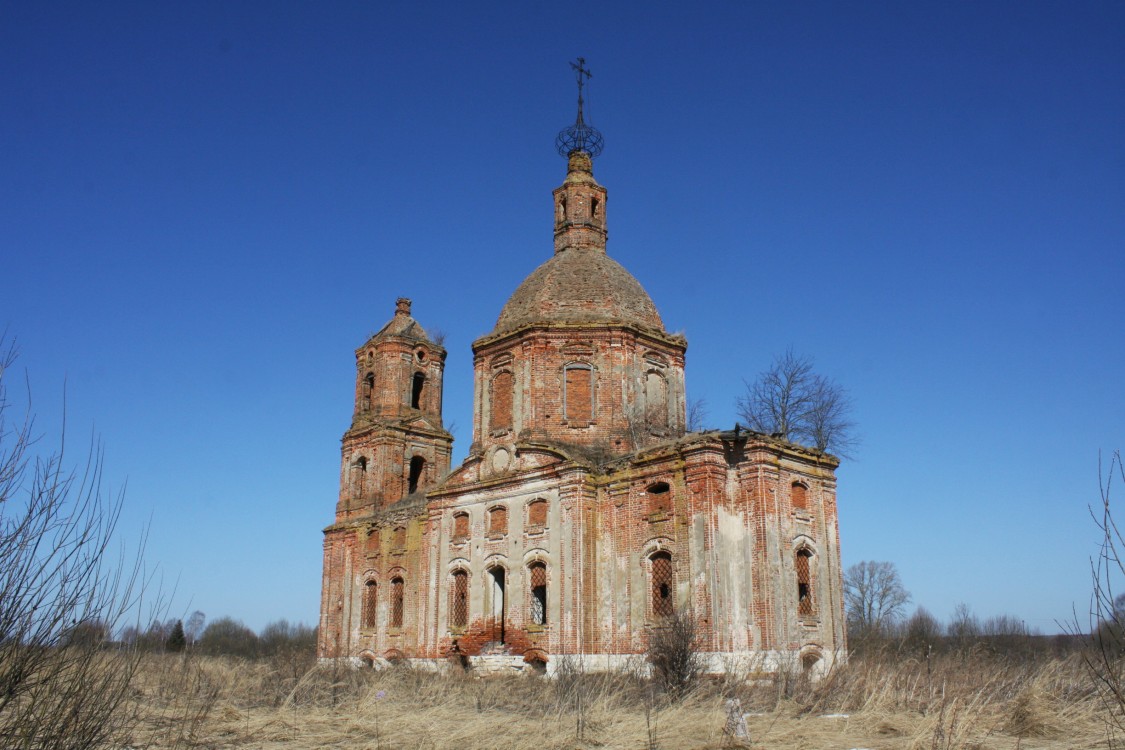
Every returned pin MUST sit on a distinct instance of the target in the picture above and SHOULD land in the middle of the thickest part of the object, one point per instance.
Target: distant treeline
(224, 636)
(922, 634)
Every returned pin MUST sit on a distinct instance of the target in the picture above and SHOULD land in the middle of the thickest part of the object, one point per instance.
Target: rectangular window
(537, 514)
(579, 395)
(501, 401)
(498, 521)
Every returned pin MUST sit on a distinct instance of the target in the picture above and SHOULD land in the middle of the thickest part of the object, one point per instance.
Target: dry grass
(972, 702)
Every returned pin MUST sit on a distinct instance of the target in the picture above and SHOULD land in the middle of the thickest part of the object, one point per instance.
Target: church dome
(579, 285)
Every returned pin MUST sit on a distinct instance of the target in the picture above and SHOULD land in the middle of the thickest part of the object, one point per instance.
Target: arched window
(370, 600)
(368, 390)
(416, 390)
(460, 526)
(578, 393)
(537, 514)
(663, 584)
(537, 576)
(459, 600)
(799, 495)
(398, 593)
(417, 466)
(501, 401)
(399, 539)
(659, 499)
(805, 603)
(497, 521)
(656, 400)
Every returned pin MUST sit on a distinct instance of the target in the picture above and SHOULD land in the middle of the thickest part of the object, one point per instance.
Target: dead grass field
(974, 701)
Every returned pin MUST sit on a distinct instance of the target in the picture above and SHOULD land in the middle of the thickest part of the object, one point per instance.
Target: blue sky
(205, 207)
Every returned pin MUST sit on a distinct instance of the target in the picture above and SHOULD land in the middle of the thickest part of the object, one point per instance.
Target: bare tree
(964, 627)
(193, 628)
(65, 587)
(696, 415)
(791, 401)
(874, 598)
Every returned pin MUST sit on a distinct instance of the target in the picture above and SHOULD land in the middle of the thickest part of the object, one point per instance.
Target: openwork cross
(581, 70)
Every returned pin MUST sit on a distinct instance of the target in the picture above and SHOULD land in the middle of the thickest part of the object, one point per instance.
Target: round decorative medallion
(501, 460)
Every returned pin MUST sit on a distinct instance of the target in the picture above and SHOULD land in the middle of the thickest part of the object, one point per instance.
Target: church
(585, 516)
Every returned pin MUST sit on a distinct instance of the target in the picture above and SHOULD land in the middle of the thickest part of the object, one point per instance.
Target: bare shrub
(1105, 649)
(673, 653)
(65, 586)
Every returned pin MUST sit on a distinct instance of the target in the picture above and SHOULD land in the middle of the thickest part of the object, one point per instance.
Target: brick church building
(585, 514)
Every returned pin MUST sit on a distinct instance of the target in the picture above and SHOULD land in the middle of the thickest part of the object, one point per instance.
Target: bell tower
(396, 445)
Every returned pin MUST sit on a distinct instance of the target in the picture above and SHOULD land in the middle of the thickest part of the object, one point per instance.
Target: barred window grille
(459, 607)
(805, 605)
(537, 513)
(662, 585)
(370, 600)
(538, 576)
(397, 594)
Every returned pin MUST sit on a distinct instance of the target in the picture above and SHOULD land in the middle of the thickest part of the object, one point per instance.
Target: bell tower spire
(580, 200)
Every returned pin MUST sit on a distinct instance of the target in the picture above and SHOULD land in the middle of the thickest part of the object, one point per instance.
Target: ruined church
(585, 515)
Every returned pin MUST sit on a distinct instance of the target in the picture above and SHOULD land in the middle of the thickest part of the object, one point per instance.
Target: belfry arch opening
(416, 387)
(368, 390)
(417, 467)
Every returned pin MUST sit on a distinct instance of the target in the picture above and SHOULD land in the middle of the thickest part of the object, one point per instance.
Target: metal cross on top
(580, 71)
(580, 136)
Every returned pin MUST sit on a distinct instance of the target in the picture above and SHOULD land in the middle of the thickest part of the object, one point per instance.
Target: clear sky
(206, 206)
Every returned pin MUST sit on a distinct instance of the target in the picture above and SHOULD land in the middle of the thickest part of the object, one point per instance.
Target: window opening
(800, 497)
(368, 390)
(397, 608)
(804, 583)
(501, 401)
(662, 585)
(593, 208)
(359, 476)
(461, 526)
(416, 390)
(370, 599)
(578, 393)
(538, 575)
(417, 464)
(498, 520)
(656, 400)
(659, 498)
(459, 606)
(537, 514)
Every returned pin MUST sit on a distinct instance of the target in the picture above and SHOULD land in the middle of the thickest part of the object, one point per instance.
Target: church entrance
(499, 612)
